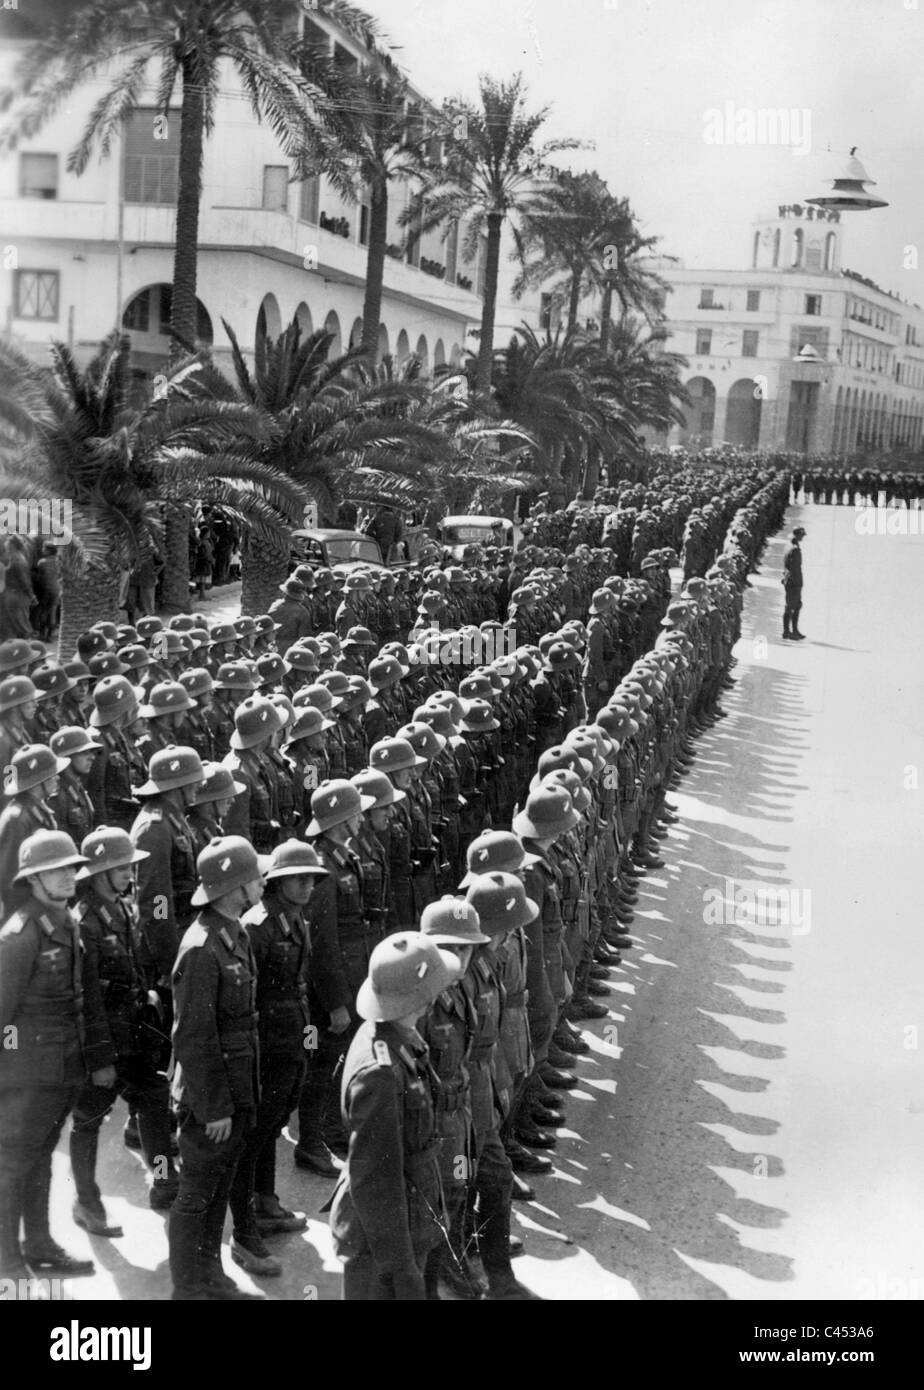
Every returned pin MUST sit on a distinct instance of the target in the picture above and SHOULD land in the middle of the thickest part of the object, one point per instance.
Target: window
(813, 304)
(777, 236)
(830, 248)
(316, 38)
(749, 342)
(344, 59)
(38, 176)
(703, 342)
(138, 314)
(809, 337)
(152, 156)
(756, 250)
(798, 245)
(275, 187)
(36, 294)
(309, 199)
(753, 301)
(706, 299)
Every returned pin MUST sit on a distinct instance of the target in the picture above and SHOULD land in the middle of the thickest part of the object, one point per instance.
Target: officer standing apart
(215, 1081)
(792, 585)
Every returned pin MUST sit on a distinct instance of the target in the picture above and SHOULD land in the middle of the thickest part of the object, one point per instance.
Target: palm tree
(116, 465)
(371, 135)
(491, 174)
(189, 41)
(563, 234)
(333, 427)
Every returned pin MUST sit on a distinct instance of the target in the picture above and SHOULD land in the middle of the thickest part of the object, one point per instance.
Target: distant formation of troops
(321, 861)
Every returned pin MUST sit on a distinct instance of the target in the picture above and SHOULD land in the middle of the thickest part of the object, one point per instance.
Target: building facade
(796, 352)
(84, 255)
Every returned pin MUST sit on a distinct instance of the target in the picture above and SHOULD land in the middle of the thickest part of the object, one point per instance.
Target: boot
(83, 1145)
(92, 1217)
(273, 1218)
(219, 1286)
(184, 1231)
(42, 1254)
(494, 1244)
(12, 1264)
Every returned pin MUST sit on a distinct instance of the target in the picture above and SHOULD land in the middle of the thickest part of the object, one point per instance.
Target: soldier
(289, 614)
(110, 935)
(255, 813)
(41, 1007)
(71, 806)
(372, 841)
(18, 704)
(281, 945)
(164, 711)
(30, 784)
(213, 799)
(345, 939)
(167, 878)
(396, 758)
(197, 728)
(385, 711)
(385, 1215)
(350, 722)
(792, 584)
(215, 1081)
(109, 783)
(448, 1028)
(306, 749)
(502, 908)
(233, 683)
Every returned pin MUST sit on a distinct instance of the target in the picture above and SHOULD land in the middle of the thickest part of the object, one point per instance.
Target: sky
(636, 78)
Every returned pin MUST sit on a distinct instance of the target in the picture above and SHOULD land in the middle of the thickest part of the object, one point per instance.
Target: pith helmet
(44, 851)
(170, 768)
(334, 802)
(108, 847)
(406, 973)
(227, 863)
(30, 767)
(452, 922)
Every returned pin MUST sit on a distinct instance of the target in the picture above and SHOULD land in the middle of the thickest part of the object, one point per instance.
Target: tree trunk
(557, 491)
(606, 313)
(183, 311)
(175, 585)
(489, 305)
(375, 269)
(88, 596)
(574, 298)
(183, 315)
(263, 568)
(591, 473)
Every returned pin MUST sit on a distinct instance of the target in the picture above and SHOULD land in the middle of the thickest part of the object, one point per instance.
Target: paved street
(750, 1122)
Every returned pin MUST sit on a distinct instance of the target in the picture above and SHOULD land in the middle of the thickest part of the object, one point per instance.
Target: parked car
(456, 533)
(340, 551)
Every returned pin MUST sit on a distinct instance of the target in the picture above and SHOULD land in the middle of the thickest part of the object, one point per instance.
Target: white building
(796, 352)
(83, 255)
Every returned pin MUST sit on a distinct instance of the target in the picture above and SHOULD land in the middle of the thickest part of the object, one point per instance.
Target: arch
(742, 417)
(403, 347)
(699, 422)
(830, 250)
(269, 319)
(303, 319)
(384, 347)
(332, 326)
(439, 353)
(423, 352)
(356, 333)
(777, 237)
(798, 246)
(455, 355)
(145, 318)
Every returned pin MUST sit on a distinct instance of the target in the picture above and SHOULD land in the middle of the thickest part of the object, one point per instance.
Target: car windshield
(471, 531)
(353, 548)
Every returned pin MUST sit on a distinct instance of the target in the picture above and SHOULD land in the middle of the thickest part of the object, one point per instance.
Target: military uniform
(166, 881)
(388, 1106)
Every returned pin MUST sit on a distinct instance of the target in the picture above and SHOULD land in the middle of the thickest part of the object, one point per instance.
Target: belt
(482, 1052)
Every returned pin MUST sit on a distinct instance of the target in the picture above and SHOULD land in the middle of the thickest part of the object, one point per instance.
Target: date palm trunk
(184, 311)
(489, 305)
(375, 268)
(88, 596)
(263, 568)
